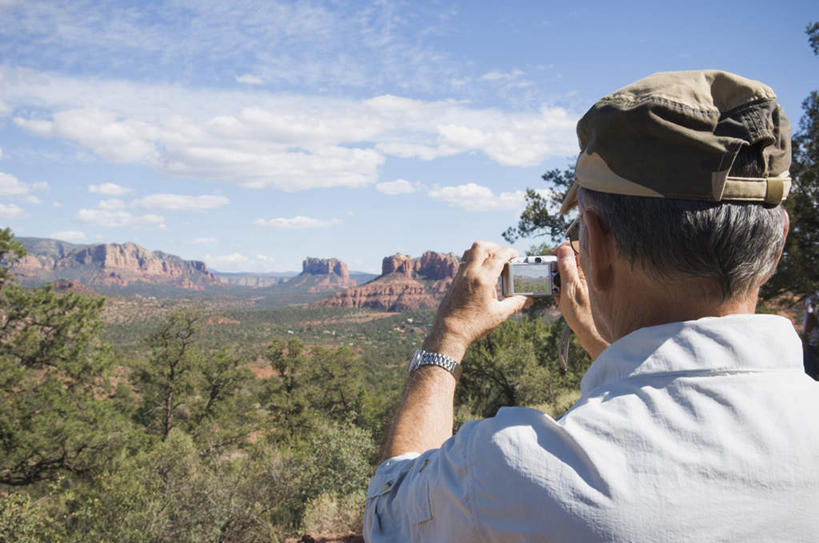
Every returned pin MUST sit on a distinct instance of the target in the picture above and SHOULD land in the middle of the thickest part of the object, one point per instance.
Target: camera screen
(531, 279)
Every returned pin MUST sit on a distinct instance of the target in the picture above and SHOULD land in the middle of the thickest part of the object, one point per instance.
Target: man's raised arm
(470, 310)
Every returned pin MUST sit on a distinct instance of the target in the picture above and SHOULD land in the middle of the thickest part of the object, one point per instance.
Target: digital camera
(530, 276)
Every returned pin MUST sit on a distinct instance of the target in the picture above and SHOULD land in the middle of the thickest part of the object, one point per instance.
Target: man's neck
(648, 303)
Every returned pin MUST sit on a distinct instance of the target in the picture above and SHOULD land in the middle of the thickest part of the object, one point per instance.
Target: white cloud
(413, 150)
(119, 219)
(496, 75)
(474, 197)
(399, 186)
(68, 235)
(106, 133)
(261, 139)
(12, 187)
(294, 44)
(249, 79)
(230, 259)
(10, 211)
(180, 202)
(1, 153)
(204, 241)
(112, 204)
(296, 223)
(109, 189)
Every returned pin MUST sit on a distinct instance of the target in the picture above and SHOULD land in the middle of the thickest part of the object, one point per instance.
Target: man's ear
(784, 239)
(787, 226)
(600, 249)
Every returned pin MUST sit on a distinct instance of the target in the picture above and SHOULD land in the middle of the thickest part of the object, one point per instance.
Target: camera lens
(537, 260)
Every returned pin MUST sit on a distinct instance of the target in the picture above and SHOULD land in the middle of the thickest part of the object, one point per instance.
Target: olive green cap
(677, 134)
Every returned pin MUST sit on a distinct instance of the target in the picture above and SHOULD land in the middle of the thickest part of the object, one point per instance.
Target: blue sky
(251, 134)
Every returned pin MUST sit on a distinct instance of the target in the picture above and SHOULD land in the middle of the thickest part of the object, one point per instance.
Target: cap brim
(570, 202)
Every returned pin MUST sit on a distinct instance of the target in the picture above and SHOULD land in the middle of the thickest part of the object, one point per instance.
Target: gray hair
(737, 244)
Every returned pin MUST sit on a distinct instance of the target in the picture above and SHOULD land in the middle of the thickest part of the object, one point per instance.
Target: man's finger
(512, 305)
(476, 255)
(499, 259)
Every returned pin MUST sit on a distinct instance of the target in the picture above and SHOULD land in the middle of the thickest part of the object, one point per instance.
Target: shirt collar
(729, 343)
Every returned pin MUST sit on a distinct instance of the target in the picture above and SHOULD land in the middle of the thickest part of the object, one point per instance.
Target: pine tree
(798, 272)
(54, 414)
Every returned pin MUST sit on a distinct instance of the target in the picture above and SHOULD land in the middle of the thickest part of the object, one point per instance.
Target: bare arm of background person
(470, 310)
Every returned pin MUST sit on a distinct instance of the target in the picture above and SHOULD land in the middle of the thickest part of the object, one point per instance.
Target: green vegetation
(517, 365)
(178, 441)
(145, 419)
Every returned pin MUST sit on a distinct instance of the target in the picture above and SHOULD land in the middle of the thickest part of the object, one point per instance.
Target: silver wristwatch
(424, 358)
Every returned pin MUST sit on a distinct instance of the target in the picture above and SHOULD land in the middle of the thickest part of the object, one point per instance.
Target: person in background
(694, 422)
(810, 335)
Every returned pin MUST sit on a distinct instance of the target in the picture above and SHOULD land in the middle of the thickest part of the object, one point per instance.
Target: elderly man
(696, 421)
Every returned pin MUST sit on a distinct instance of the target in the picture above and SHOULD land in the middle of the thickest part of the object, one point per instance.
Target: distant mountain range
(405, 283)
(108, 266)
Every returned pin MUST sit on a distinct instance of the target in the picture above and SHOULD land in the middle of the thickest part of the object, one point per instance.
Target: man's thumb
(566, 264)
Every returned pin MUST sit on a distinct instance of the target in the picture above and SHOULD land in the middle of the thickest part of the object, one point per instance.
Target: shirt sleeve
(424, 497)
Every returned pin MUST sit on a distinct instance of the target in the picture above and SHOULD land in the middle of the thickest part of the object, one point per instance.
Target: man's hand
(573, 301)
(471, 308)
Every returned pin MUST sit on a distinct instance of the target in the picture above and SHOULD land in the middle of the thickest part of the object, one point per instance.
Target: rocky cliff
(404, 283)
(107, 265)
(321, 275)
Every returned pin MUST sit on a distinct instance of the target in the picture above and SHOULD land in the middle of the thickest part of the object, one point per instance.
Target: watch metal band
(424, 358)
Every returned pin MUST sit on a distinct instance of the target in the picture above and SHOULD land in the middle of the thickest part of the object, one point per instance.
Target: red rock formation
(325, 266)
(113, 265)
(437, 266)
(404, 283)
(322, 275)
(397, 263)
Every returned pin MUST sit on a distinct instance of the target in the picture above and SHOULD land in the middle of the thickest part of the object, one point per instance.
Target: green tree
(172, 492)
(54, 413)
(10, 250)
(284, 394)
(542, 217)
(314, 385)
(517, 365)
(166, 380)
(798, 272)
(23, 520)
(337, 380)
(211, 396)
(813, 37)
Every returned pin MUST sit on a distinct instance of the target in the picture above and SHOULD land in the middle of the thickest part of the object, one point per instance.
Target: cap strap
(771, 190)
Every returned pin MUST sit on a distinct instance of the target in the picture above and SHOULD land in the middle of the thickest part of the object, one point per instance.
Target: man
(696, 421)
(810, 335)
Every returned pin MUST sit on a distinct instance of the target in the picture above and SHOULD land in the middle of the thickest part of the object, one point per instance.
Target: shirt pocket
(398, 499)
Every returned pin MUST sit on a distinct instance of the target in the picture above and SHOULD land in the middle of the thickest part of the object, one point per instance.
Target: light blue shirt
(705, 430)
